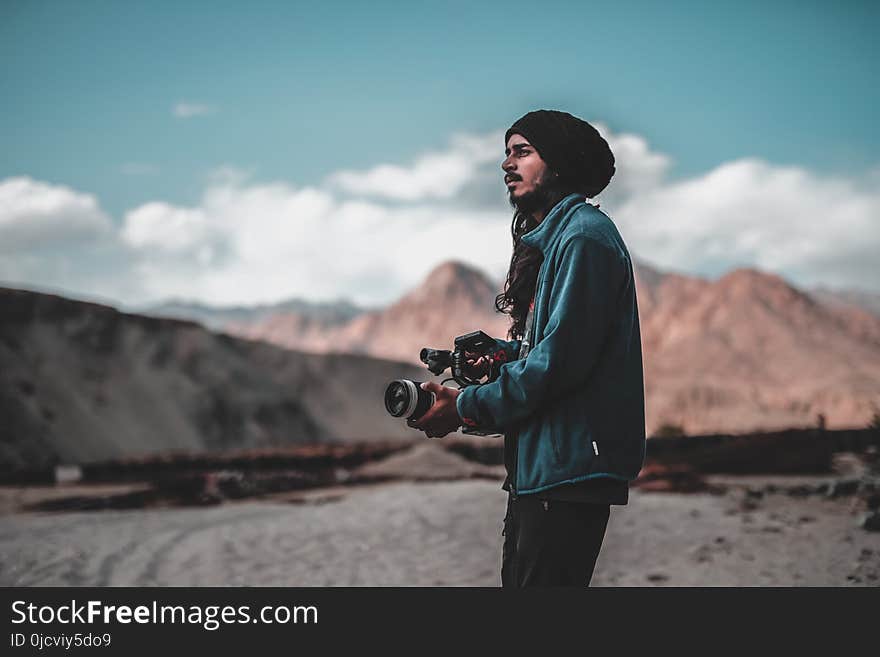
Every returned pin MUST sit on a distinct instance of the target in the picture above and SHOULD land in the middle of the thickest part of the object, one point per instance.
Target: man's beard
(544, 196)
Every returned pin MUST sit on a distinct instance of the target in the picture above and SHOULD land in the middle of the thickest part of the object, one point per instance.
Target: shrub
(669, 430)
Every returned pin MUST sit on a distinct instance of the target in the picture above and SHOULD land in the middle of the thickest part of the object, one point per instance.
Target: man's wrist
(460, 401)
(455, 405)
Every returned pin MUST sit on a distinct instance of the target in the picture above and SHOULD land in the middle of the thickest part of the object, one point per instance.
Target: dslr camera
(405, 398)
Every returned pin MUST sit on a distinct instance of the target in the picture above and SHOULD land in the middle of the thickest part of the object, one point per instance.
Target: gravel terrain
(436, 533)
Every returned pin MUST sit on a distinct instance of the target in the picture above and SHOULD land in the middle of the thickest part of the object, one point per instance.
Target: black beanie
(570, 146)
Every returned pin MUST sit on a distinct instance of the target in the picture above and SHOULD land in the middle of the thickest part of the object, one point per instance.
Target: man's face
(524, 170)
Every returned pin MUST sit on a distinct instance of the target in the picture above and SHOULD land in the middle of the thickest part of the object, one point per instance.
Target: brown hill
(749, 351)
(81, 381)
(454, 299)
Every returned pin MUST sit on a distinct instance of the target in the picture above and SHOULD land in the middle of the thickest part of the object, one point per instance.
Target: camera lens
(405, 398)
(396, 398)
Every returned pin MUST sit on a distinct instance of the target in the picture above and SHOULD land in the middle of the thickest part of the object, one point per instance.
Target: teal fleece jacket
(576, 402)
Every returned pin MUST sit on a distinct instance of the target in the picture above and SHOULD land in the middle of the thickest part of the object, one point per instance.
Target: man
(570, 401)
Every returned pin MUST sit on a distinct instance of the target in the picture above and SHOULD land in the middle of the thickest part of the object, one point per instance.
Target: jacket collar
(545, 233)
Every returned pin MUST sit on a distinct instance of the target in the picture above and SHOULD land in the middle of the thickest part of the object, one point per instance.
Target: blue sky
(294, 92)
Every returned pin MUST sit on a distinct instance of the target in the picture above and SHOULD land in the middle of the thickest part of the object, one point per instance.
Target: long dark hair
(522, 277)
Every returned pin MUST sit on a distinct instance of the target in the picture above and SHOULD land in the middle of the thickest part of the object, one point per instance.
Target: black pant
(550, 542)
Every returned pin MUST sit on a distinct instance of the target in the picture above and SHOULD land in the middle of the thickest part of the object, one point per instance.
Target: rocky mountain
(746, 352)
(750, 351)
(81, 381)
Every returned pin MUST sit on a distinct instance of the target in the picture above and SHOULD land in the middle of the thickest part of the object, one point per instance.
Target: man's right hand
(476, 365)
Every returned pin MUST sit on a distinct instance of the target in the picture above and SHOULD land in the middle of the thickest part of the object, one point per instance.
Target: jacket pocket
(567, 429)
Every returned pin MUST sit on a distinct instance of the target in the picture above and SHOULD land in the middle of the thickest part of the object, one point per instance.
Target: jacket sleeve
(582, 308)
(506, 350)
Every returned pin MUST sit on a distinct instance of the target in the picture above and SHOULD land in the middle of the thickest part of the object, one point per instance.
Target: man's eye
(524, 153)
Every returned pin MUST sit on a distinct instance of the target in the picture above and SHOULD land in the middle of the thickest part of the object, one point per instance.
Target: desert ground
(750, 531)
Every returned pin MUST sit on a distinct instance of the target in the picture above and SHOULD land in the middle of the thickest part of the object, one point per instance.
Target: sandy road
(403, 534)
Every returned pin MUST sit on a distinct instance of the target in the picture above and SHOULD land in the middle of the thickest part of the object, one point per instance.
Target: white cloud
(808, 227)
(437, 175)
(373, 235)
(278, 241)
(165, 227)
(228, 174)
(35, 215)
(187, 110)
(638, 169)
(59, 239)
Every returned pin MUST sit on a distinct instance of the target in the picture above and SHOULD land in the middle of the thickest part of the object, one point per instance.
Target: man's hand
(476, 365)
(442, 418)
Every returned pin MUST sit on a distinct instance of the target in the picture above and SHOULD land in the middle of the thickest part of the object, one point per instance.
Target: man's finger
(432, 386)
(426, 419)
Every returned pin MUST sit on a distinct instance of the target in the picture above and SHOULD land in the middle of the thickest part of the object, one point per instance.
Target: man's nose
(508, 165)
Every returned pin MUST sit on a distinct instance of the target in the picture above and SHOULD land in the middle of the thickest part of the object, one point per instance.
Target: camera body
(438, 360)
(405, 398)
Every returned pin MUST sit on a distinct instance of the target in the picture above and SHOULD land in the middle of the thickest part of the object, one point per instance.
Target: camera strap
(526, 345)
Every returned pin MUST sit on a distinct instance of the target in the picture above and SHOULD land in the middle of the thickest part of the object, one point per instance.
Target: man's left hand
(442, 418)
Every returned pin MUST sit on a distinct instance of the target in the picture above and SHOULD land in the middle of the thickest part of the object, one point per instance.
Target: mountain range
(748, 351)
(81, 381)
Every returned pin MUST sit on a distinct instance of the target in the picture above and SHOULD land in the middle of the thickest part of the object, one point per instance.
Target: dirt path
(402, 534)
